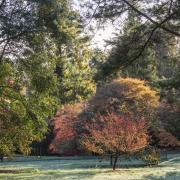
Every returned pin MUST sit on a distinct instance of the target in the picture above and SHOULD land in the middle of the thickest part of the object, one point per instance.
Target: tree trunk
(2, 158)
(115, 162)
(111, 160)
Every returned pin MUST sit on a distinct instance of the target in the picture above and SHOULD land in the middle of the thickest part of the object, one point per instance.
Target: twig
(159, 25)
(147, 42)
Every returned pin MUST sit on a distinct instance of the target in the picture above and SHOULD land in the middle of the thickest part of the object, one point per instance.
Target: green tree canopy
(41, 54)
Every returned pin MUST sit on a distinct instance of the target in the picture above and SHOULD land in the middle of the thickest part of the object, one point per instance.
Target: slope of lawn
(47, 168)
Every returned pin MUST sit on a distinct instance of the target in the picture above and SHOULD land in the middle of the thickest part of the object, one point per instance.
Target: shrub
(164, 139)
(169, 116)
(150, 156)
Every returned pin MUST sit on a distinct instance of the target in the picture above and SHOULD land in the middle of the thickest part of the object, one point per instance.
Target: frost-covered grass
(83, 168)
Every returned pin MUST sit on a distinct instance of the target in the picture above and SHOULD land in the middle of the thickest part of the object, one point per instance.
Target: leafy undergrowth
(87, 169)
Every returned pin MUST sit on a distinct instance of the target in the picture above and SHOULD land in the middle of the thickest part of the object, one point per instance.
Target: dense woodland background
(53, 84)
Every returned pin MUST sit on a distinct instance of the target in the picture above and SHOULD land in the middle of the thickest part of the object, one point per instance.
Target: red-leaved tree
(115, 135)
(64, 141)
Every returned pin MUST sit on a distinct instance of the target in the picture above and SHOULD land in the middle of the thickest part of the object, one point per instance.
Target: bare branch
(3, 50)
(170, 6)
(2, 3)
(147, 42)
(93, 14)
(159, 25)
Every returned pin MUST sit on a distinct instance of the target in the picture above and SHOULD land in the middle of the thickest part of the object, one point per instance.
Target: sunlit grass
(77, 168)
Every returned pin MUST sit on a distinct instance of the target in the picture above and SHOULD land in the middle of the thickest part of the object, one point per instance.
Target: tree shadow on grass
(167, 176)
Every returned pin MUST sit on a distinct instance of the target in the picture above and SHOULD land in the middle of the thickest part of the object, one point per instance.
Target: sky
(100, 35)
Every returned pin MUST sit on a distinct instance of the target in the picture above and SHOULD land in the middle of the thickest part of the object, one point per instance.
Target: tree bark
(111, 160)
(2, 158)
(115, 162)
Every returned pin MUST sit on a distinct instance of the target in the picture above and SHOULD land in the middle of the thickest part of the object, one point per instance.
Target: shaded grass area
(74, 168)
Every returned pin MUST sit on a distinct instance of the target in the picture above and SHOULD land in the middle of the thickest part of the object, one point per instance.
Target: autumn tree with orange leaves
(115, 135)
(126, 97)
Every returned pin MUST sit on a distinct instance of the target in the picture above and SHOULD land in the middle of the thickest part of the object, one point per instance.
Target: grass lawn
(47, 168)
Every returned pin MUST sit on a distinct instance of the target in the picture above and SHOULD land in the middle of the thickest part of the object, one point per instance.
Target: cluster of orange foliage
(63, 128)
(115, 135)
(127, 97)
